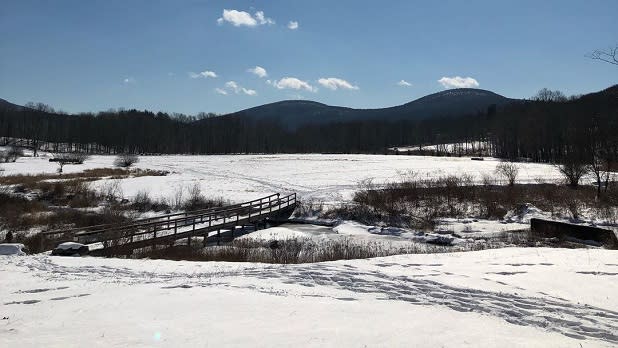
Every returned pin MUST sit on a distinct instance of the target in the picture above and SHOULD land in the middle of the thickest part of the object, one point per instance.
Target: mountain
(454, 102)
(5, 105)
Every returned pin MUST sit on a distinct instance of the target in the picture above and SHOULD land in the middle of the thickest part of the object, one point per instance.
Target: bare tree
(599, 167)
(12, 154)
(609, 56)
(573, 171)
(63, 159)
(547, 95)
(509, 170)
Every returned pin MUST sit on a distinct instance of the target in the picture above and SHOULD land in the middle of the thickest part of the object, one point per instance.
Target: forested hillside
(546, 129)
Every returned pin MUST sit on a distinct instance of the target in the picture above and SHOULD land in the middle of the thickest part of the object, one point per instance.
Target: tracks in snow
(550, 313)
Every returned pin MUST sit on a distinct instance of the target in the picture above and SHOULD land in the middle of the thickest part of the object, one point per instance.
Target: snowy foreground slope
(514, 297)
(246, 177)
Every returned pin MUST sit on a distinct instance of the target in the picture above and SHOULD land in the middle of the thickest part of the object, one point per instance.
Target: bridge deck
(169, 228)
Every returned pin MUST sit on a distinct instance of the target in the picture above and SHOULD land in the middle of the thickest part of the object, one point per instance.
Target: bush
(142, 201)
(79, 158)
(126, 160)
(509, 170)
(197, 201)
(11, 155)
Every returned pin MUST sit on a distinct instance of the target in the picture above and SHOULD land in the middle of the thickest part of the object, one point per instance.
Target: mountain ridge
(295, 113)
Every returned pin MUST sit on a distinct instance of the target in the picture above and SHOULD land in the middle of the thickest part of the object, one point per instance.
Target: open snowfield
(512, 297)
(329, 178)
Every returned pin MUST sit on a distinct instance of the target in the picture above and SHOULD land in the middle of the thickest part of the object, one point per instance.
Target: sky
(223, 56)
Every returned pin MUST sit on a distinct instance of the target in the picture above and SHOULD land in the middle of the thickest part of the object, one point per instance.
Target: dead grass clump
(293, 251)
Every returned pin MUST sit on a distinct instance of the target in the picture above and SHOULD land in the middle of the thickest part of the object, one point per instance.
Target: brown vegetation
(417, 203)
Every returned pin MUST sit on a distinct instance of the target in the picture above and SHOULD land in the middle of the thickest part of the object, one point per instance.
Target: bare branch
(609, 56)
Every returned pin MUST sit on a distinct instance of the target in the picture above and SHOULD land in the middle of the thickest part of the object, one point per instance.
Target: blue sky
(192, 56)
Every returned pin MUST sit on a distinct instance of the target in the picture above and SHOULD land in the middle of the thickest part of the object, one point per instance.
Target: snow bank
(524, 213)
(12, 249)
(276, 233)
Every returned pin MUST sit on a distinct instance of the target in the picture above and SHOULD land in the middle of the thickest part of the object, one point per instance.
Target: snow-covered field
(329, 178)
(512, 297)
(531, 297)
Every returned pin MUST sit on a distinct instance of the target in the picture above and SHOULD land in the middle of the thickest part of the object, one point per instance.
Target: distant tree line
(548, 128)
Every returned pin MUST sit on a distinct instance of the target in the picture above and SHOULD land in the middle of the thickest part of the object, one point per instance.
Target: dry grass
(32, 180)
(417, 203)
(307, 250)
(286, 252)
(52, 201)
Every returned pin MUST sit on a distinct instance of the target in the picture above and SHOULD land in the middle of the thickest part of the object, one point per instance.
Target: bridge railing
(171, 224)
(167, 217)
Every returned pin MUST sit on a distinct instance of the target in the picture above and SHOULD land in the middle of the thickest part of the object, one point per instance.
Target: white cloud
(293, 25)
(404, 83)
(259, 16)
(232, 85)
(221, 91)
(236, 88)
(128, 80)
(240, 18)
(203, 74)
(259, 71)
(250, 92)
(458, 82)
(334, 83)
(292, 83)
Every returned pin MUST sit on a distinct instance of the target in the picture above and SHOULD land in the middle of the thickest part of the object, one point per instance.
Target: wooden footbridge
(166, 229)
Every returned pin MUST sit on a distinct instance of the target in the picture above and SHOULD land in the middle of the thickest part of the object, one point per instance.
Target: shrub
(508, 170)
(11, 155)
(111, 191)
(126, 160)
(197, 201)
(79, 158)
(142, 201)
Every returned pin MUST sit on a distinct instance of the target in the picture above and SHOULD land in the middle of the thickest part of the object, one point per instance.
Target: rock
(70, 249)
(440, 240)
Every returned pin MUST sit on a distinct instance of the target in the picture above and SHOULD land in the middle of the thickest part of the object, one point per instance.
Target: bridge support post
(219, 237)
(205, 239)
